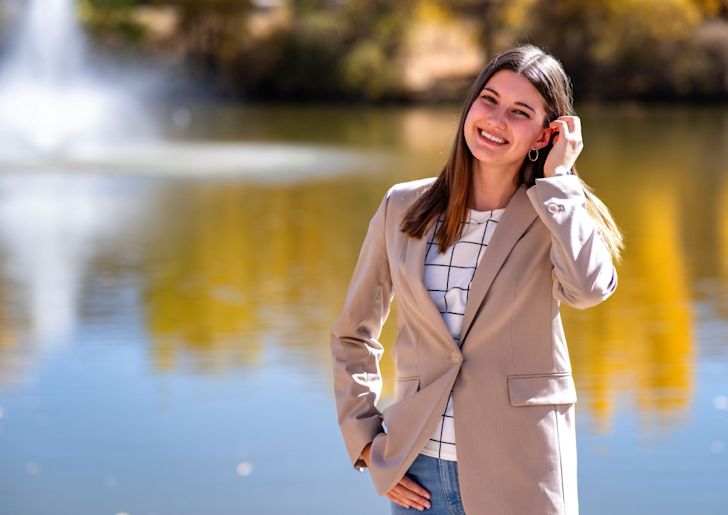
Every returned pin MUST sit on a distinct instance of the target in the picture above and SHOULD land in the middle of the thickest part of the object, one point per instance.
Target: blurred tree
(210, 35)
(713, 8)
(329, 50)
(617, 48)
(489, 13)
(701, 67)
(112, 22)
(308, 59)
(377, 29)
(360, 49)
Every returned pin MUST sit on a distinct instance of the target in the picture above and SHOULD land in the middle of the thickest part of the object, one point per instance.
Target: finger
(570, 122)
(577, 124)
(554, 135)
(411, 497)
(414, 487)
(561, 126)
(399, 500)
(577, 132)
(575, 129)
(555, 132)
(571, 134)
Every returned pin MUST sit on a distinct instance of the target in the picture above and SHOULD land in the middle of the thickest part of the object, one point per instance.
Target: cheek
(478, 109)
(529, 134)
(468, 125)
(472, 112)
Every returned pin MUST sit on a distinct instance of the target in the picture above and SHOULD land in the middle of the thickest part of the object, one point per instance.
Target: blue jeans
(440, 478)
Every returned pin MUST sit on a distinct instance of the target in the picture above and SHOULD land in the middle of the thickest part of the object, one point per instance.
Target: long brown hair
(450, 193)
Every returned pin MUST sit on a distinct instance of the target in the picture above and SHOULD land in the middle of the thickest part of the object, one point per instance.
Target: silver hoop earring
(533, 159)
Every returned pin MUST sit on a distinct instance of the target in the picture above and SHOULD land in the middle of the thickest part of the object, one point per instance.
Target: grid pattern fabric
(448, 277)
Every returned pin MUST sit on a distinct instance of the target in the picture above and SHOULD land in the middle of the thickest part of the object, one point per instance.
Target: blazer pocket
(539, 389)
(405, 387)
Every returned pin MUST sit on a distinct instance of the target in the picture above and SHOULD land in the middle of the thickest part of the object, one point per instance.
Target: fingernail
(428, 505)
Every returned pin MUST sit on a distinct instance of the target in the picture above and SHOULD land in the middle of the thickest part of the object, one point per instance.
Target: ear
(543, 138)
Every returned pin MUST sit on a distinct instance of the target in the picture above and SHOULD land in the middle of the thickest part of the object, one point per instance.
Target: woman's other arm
(355, 345)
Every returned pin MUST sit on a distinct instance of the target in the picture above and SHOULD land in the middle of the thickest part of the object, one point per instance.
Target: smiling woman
(480, 259)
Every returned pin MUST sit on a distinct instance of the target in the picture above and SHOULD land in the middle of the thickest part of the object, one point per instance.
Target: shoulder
(404, 193)
(399, 198)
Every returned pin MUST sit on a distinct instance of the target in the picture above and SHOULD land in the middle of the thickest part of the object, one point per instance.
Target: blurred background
(184, 188)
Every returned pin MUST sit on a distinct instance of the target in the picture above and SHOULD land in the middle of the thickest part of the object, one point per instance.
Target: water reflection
(238, 269)
(720, 214)
(49, 227)
(640, 344)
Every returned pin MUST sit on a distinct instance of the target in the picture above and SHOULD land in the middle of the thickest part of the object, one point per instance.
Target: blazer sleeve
(583, 272)
(355, 345)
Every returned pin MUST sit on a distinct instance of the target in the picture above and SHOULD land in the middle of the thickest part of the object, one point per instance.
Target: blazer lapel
(414, 270)
(517, 217)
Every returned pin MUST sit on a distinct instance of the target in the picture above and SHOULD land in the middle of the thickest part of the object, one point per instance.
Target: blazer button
(455, 357)
(553, 208)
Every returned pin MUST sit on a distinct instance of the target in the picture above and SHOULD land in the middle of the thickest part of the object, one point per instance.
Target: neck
(492, 189)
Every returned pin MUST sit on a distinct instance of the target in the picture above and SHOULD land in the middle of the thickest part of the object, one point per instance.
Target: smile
(492, 138)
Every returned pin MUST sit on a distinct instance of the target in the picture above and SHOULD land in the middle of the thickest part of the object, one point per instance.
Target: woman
(480, 259)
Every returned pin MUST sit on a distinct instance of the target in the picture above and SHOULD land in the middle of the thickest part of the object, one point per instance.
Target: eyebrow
(517, 103)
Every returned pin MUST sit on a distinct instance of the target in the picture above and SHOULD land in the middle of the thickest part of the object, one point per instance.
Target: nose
(497, 116)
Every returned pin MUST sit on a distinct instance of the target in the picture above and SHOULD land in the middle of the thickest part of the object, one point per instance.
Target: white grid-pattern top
(448, 277)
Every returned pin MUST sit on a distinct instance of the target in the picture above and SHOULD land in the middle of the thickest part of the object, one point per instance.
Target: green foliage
(629, 48)
(368, 71)
(113, 4)
(310, 58)
(336, 53)
(111, 22)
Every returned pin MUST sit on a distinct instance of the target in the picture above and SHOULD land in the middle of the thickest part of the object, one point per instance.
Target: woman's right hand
(407, 492)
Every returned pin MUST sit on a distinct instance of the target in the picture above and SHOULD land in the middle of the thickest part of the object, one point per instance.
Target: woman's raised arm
(584, 274)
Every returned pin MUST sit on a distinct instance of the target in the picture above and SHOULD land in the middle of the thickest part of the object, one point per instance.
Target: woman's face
(506, 121)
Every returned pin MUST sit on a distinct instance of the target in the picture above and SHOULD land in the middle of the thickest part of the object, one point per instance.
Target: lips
(492, 138)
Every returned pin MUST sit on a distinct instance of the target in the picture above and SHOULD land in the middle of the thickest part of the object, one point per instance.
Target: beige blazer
(512, 385)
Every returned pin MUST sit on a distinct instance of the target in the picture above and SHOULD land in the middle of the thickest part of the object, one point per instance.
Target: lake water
(164, 344)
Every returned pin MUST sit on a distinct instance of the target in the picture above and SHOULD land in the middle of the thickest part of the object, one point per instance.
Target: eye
(488, 98)
(519, 112)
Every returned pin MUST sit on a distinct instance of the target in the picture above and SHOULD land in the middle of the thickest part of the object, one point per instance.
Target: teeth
(492, 138)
